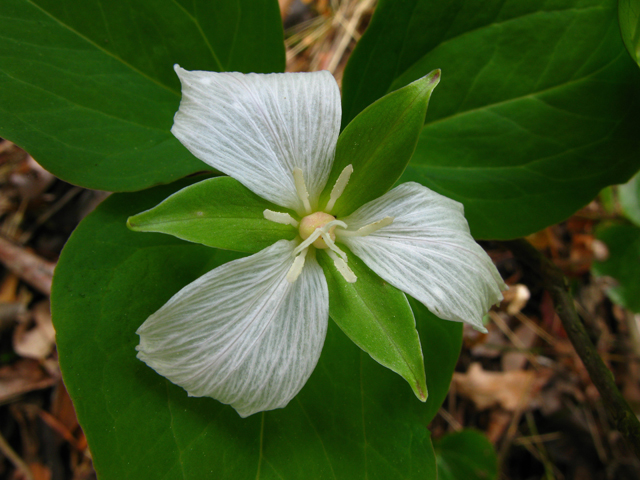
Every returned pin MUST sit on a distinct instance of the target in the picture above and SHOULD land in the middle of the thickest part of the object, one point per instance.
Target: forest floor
(521, 384)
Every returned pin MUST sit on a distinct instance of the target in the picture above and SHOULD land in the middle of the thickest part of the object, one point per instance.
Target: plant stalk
(554, 281)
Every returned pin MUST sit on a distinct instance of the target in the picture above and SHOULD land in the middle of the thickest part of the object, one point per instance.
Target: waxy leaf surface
(354, 419)
(377, 317)
(88, 88)
(536, 111)
(466, 455)
(218, 212)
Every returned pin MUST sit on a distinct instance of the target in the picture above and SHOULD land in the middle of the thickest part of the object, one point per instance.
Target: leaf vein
(102, 49)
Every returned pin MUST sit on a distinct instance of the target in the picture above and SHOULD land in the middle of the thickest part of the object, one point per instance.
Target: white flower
(249, 333)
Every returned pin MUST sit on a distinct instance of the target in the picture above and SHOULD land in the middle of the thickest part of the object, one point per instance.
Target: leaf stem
(553, 280)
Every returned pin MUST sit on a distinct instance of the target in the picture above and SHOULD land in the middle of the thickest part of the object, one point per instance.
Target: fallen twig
(14, 458)
(34, 270)
(553, 280)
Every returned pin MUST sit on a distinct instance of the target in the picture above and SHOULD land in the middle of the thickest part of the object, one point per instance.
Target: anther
(279, 217)
(342, 267)
(367, 229)
(339, 187)
(301, 189)
(296, 269)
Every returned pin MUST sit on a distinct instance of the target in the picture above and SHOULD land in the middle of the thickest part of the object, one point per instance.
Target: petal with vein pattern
(257, 128)
(428, 253)
(242, 333)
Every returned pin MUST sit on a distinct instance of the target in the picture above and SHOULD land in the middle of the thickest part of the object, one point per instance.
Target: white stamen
(301, 188)
(296, 269)
(339, 187)
(367, 229)
(279, 217)
(332, 246)
(312, 238)
(342, 267)
(338, 223)
(319, 232)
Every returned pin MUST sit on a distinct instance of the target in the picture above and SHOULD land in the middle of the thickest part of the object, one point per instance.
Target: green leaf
(536, 111)
(88, 88)
(466, 455)
(376, 316)
(629, 17)
(378, 143)
(623, 242)
(217, 212)
(629, 197)
(354, 419)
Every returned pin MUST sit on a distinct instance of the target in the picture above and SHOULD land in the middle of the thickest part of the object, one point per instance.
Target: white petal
(428, 253)
(242, 333)
(257, 128)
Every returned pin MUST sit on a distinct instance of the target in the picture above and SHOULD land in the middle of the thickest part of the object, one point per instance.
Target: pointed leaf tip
(429, 81)
(421, 391)
(137, 223)
(130, 224)
(436, 75)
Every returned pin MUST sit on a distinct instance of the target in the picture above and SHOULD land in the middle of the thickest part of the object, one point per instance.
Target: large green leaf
(378, 143)
(536, 111)
(217, 212)
(377, 317)
(88, 88)
(623, 242)
(629, 17)
(466, 455)
(354, 419)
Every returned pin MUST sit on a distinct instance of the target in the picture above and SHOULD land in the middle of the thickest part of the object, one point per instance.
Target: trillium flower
(249, 333)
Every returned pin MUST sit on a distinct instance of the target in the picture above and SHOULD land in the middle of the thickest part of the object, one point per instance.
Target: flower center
(318, 229)
(310, 223)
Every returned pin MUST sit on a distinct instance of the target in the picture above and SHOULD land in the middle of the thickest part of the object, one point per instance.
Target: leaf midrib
(85, 107)
(120, 59)
(531, 95)
(196, 22)
(105, 51)
(398, 74)
(488, 25)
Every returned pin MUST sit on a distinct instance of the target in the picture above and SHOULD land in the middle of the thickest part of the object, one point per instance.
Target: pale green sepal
(379, 143)
(377, 317)
(219, 212)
